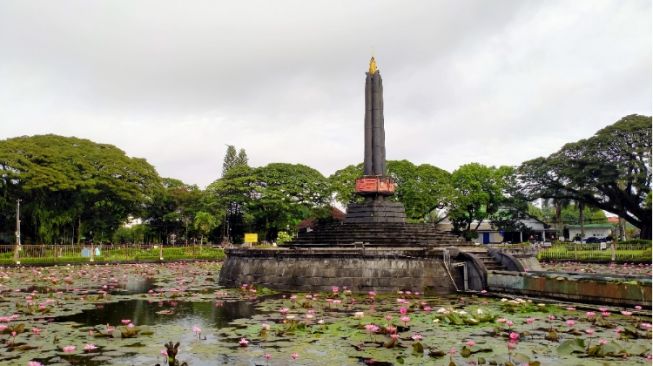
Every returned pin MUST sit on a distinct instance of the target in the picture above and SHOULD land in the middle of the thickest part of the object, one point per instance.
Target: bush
(283, 237)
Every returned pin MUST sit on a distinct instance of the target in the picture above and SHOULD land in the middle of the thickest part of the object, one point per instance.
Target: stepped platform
(373, 234)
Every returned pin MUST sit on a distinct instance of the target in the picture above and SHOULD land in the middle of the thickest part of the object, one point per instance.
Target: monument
(375, 185)
(374, 248)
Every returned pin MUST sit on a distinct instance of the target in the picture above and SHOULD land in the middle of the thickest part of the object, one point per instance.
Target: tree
(610, 171)
(422, 189)
(285, 195)
(231, 159)
(478, 193)
(204, 223)
(72, 188)
(233, 212)
(343, 184)
(173, 209)
(230, 195)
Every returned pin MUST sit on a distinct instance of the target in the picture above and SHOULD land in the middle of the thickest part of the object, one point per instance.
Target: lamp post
(18, 244)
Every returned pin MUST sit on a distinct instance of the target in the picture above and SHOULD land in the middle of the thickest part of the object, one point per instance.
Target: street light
(18, 245)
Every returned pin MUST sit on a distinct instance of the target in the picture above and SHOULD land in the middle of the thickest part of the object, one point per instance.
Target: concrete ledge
(587, 288)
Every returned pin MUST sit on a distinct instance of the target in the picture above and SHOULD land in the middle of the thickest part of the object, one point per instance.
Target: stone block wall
(360, 271)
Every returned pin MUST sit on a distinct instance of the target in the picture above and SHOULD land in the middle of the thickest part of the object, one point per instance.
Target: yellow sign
(251, 238)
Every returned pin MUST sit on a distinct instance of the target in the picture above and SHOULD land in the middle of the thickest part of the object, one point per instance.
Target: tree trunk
(558, 207)
(645, 230)
(581, 219)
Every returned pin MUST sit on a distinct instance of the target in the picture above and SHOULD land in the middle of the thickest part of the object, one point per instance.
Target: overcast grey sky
(495, 82)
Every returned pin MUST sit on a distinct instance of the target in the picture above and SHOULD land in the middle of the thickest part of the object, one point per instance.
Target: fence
(51, 254)
(620, 252)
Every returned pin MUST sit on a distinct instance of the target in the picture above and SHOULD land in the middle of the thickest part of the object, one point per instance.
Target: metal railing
(25, 254)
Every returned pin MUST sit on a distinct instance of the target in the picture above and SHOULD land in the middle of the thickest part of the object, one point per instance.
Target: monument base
(376, 211)
(360, 270)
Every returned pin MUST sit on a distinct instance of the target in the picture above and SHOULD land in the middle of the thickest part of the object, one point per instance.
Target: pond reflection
(151, 312)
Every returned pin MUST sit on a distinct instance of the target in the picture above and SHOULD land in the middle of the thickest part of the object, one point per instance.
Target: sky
(495, 82)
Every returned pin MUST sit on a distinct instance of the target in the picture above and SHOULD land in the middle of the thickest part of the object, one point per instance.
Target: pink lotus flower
(571, 308)
(371, 328)
(36, 331)
(403, 310)
(602, 309)
(125, 321)
(511, 345)
(294, 355)
(590, 314)
(552, 317)
(243, 342)
(638, 307)
(605, 314)
(589, 331)
(514, 336)
(34, 363)
(417, 337)
(452, 351)
(283, 311)
(267, 356)
(509, 323)
(570, 323)
(90, 347)
(603, 342)
(405, 320)
(502, 320)
(69, 349)
(529, 320)
(626, 313)
(470, 343)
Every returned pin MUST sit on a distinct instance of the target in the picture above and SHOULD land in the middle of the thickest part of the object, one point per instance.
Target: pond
(123, 315)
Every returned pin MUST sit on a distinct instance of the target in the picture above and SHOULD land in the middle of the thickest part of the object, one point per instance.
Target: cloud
(494, 82)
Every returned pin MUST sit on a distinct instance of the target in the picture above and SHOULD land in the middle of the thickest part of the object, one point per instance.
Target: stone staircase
(376, 234)
(481, 253)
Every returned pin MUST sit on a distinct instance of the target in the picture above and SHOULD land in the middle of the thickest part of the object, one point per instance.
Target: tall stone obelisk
(374, 162)
(375, 185)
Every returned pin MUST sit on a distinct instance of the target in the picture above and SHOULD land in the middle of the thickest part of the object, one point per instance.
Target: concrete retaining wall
(360, 270)
(596, 289)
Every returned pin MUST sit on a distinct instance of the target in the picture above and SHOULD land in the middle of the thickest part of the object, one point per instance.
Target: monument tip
(372, 66)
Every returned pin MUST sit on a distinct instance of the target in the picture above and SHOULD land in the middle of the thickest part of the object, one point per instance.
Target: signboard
(375, 185)
(366, 184)
(251, 238)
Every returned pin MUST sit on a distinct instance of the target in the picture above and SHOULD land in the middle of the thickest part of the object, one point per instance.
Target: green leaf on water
(570, 346)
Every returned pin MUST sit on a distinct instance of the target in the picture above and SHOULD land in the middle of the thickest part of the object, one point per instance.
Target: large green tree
(610, 171)
(478, 194)
(72, 187)
(285, 195)
(172, 210)
(270, 198)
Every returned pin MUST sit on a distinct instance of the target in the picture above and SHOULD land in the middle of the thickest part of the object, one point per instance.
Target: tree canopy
(610, 171)
(72, 187)
(478, 194)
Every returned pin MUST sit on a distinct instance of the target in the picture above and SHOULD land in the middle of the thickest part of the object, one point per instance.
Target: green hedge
(562, 253)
